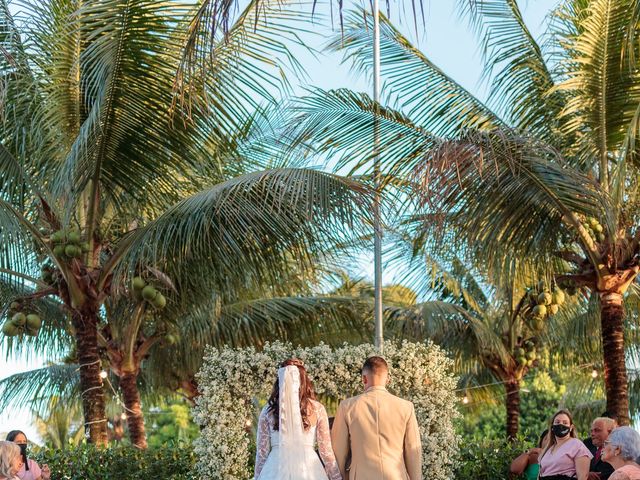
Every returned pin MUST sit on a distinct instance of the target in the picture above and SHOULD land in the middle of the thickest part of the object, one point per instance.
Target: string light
(465, 400)
(103, 374)
(123, 416)
(594, 373)
(248, 423)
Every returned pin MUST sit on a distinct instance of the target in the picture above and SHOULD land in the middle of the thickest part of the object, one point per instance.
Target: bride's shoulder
(317, 406)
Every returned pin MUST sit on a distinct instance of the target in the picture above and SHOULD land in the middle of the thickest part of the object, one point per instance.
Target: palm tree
(107, 173)
(544, 171)
(496, 333)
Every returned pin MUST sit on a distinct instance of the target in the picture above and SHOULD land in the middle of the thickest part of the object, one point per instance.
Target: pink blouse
(627, 472)
(562, 460)
(33, 473)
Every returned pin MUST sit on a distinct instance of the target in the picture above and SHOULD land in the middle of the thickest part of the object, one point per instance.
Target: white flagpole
(377, 242)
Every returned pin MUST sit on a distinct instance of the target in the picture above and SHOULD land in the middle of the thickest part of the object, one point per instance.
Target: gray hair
(609, 423)
(628, 440)
(8, 452)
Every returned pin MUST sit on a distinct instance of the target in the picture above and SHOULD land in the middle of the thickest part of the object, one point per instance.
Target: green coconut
(72, 251)
(521, 360)
(553, 309)
(598, 228)
(74, 237)
(159, 301)
(538, 324)
(171, 339)
(149, 293)
(14, 305)
(138, 283)
(539, 311)
(34, 322)
(58, 250)
(10, 330)
(593, 221)
(519, 352)
(19, 319)
(544, 298)
(531, 355)
(58, 237)
(557, 297)
(85, 247)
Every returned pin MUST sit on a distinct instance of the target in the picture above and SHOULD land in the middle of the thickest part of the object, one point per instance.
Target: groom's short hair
(375, 365)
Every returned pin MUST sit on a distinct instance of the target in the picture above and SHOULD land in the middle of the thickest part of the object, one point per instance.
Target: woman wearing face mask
(565, 457)
(30, 470)
(622, 450)
(10, 460)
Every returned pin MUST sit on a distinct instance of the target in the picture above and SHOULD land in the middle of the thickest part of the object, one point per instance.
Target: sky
(447, 41)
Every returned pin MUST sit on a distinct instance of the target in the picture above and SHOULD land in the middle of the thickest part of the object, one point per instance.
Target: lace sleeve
(323, 438)
(263, 443)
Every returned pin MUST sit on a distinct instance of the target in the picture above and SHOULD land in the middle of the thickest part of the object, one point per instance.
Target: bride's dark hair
(306, 395)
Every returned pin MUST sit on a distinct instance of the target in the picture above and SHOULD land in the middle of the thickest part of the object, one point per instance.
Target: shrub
(231, 380)
(170, 462)
(489, 459)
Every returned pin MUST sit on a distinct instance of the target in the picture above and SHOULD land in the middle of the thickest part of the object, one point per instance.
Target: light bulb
(465, 400)
(103, 374)
(248, 423)
(123, 416)
(594, 373)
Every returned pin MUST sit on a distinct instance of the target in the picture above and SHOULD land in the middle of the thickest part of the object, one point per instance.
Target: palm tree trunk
(135, 418)
(513, 408)
(615, 370)
(93, 401)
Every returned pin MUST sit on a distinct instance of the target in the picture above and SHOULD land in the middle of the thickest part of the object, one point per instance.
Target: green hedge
(478, 460)
(488, 459)
(171, 462)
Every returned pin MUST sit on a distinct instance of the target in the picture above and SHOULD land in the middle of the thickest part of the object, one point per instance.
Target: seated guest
(600, 430)
(10, 460)
(30, 470)
(565, 457)
(527, 462)
(588, 442)
(622, 450)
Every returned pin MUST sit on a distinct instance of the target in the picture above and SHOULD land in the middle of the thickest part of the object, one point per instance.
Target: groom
(375, 435)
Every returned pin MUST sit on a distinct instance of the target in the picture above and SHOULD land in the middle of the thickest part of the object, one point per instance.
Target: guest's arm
(582, 467)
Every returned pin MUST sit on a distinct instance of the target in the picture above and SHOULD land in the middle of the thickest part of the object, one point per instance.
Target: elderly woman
(622, 450)
(10, 460)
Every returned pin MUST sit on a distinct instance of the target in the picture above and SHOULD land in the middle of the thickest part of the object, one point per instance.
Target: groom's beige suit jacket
(375, 436)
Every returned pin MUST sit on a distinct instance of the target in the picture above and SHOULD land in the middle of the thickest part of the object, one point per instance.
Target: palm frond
(503, 190)
(246, 231)
(602, 98)
(340, 124)
(521, 88)
(412, 82)
(36, 387)
(298, 319)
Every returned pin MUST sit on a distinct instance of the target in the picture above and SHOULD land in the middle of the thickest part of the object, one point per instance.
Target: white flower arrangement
(231, 381)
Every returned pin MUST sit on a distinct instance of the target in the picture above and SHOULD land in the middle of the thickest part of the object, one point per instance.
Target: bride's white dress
(307, 463)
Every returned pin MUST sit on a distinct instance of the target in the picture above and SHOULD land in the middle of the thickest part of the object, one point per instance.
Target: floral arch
(231, 381)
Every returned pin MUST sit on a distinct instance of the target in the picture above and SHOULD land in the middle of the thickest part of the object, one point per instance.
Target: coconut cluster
(542, 304)
(525, 354)
(21, 322)
(594, 229)
(144, 291)
(68, 244)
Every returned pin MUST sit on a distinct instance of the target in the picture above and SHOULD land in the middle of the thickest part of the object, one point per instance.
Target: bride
(289, 426)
